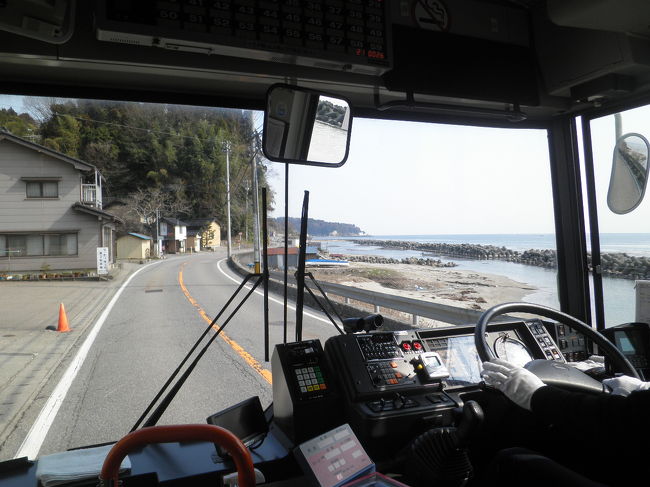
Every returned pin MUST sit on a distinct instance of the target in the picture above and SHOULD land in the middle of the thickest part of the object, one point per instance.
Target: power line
(193, 137)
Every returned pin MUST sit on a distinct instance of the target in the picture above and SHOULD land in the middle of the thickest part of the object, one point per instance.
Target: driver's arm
(602, 435)
(590, 416)
(604, 417)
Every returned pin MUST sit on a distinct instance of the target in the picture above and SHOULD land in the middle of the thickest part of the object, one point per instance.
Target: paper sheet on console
(69, 466)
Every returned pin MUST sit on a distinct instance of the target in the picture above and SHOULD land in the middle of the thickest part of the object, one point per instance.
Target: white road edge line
(270, 298)
(34, 439)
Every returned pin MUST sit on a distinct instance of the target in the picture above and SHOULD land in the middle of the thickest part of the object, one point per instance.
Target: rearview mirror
(629, 173)
(303, 126)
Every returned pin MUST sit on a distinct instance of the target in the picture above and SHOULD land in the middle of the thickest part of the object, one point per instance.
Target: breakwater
(617, 265)
(377, 259)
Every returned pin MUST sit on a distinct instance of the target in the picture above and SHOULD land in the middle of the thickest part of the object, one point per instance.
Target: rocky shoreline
(378, 259)
(617, 265)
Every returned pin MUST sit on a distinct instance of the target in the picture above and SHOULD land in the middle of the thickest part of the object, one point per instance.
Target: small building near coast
(276, 256)
(134, 246)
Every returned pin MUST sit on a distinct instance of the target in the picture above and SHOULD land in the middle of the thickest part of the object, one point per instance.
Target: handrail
(178, 433)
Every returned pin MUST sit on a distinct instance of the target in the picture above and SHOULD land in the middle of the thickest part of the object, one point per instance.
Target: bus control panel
(397, 384)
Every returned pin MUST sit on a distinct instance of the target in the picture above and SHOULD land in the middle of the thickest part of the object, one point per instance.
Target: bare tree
(40, 107)
(146, 205)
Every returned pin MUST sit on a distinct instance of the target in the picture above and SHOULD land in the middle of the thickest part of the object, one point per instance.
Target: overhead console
(345, 35)
(404, 56)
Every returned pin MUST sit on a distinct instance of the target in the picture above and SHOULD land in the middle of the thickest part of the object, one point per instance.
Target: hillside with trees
(169, 157)
(22, 125)
(319, 228)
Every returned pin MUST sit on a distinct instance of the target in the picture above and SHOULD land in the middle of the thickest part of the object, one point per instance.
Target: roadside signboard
(102, 260)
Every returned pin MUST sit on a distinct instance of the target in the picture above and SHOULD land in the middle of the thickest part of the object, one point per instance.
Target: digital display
(433, 360)
(623, 343)
(245, 420)
(459, 355)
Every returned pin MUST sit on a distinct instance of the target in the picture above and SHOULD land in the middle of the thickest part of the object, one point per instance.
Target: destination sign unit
(348, 35)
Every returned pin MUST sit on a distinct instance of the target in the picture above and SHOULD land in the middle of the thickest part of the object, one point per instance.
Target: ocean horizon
(637, 244)
(619, 294)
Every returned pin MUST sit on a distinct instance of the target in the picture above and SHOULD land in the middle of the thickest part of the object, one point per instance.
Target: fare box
(334, 458)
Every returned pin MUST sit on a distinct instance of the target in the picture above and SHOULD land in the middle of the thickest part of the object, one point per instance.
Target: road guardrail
(415, 307)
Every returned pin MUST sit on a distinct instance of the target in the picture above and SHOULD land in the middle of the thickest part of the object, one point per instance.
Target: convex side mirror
(303, 126)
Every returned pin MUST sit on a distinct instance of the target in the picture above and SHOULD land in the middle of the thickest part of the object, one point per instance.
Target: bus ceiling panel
(471, 54)
(573, 57)
(91, 65)
(460, 66)
(624, 16)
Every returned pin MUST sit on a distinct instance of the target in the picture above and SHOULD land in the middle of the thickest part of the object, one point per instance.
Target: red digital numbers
(371, 54)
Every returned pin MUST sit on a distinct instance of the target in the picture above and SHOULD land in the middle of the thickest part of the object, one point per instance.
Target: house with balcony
(173, 233)
(51, 215)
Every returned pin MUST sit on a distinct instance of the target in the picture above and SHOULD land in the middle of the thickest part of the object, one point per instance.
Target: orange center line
(248, 358)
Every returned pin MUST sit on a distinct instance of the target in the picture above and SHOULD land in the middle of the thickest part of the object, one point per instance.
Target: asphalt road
(154, 323)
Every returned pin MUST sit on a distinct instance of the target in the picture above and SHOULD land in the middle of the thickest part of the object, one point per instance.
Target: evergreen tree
(178, 150)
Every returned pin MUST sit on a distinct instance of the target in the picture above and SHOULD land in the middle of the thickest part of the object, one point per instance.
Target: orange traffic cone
(63, 320)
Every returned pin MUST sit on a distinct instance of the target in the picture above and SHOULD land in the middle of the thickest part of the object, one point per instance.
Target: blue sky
(407, 178)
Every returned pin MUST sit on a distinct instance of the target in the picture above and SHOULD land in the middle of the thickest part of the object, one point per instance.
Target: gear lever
(438, 456)
(471, 419)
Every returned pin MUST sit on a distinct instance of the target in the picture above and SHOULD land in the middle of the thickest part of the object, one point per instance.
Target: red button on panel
(406, 346)
(417, 346)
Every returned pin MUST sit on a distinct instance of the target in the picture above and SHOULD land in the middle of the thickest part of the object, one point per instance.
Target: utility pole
(256, 207)
(256, 213)
(247, 188)
(157, 249)
(228, 195)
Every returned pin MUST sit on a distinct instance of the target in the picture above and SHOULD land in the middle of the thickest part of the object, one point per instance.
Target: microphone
(369, 323)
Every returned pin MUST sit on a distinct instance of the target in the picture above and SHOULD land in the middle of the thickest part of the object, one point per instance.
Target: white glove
(625, 384)
(517, 383)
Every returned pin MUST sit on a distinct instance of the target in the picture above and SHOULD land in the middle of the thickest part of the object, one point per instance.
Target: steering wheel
(551, 372)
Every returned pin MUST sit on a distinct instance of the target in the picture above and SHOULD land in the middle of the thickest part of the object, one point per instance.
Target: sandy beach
(449, 286)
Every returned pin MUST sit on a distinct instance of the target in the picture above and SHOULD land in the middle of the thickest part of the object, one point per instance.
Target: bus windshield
(458, 217)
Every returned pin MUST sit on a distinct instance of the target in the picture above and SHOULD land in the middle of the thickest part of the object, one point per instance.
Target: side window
(42, 189)
(623, 223)
(65, 244)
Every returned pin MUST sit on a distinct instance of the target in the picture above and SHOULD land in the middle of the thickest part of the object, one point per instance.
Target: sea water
(619, 294)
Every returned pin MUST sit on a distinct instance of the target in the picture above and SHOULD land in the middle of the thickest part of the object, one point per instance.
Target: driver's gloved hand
(624, 385)
(517, 383)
